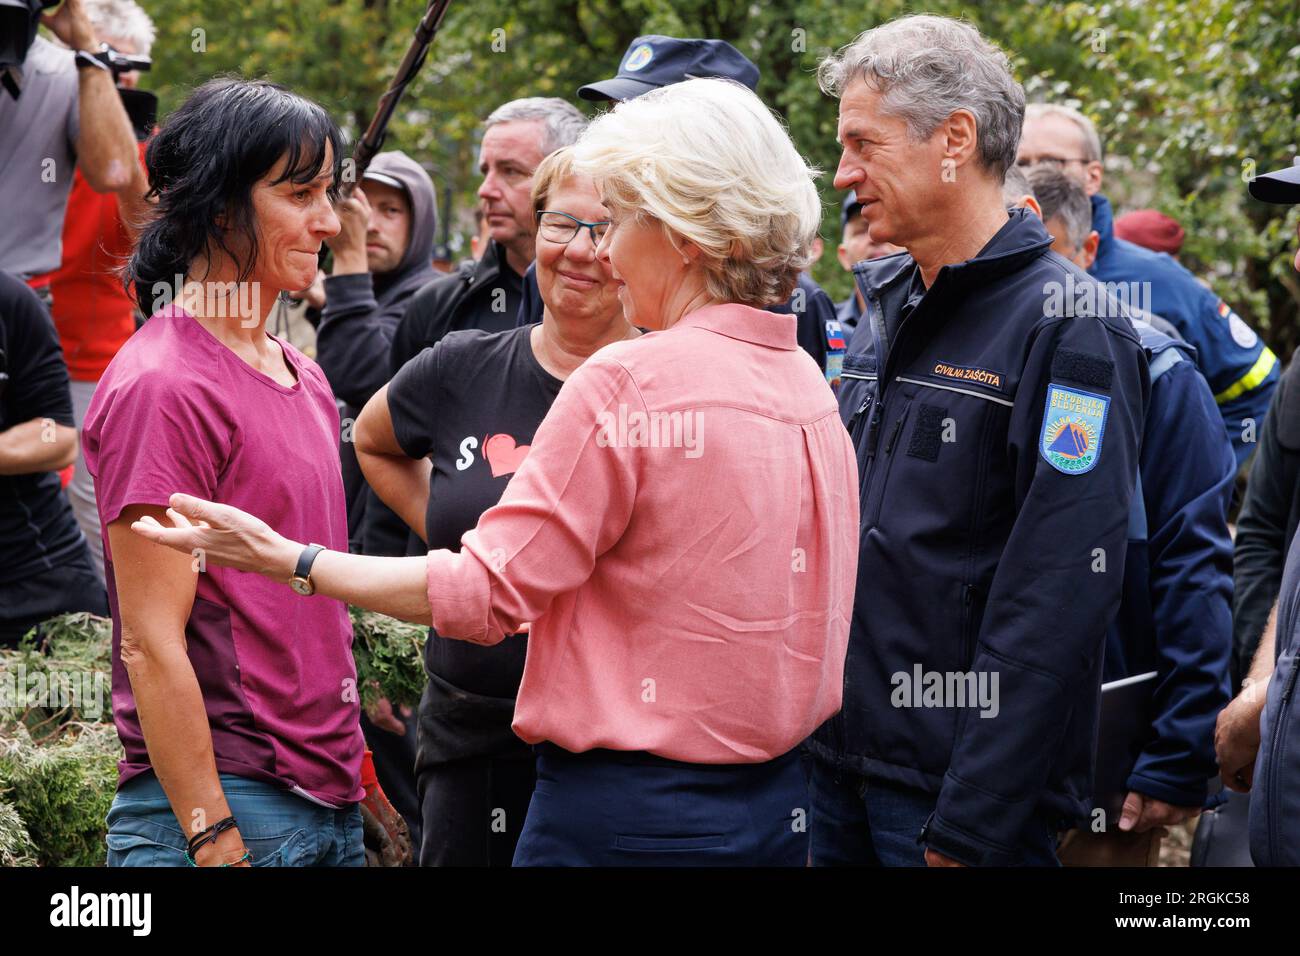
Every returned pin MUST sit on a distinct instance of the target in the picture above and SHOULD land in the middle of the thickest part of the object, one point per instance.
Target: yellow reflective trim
(1258, 372)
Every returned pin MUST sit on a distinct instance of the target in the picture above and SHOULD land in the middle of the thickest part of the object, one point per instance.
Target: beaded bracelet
(205, 836)
(247, 856)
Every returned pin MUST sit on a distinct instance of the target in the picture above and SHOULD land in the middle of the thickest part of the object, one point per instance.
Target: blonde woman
(682, 534)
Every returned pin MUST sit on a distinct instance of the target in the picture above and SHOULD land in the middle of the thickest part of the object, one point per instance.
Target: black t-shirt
(470, 404)
(38, 532)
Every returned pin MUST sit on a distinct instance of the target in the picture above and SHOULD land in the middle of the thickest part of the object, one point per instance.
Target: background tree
(1191, 96)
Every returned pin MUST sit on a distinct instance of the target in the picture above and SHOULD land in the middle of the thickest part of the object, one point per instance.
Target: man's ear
(1090, 249)
(842, 254)
(961, 137)
(1092, 178)
(1030, 203)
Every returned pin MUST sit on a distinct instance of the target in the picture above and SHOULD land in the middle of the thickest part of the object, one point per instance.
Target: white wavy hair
(714, 166)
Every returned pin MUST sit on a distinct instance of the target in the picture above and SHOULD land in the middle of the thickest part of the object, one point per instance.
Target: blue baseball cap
(848, 209)
(1280, 186)
(654, 61)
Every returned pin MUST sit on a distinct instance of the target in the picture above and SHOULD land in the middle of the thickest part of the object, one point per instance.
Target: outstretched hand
(221, 535)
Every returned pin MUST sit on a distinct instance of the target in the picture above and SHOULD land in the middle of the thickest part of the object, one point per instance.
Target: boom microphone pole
(372, 140)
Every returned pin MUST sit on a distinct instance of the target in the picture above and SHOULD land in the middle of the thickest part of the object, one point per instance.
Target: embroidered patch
(962, 373)
(638, 58)
(1073, 424)
(1242, 333)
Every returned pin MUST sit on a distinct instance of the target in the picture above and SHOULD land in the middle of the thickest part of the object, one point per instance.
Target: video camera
(19, 20)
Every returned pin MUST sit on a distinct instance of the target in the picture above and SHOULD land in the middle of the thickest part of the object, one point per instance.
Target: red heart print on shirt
(503, 455)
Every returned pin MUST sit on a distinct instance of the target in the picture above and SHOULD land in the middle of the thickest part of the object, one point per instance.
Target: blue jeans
(861, 821)
(278, 828)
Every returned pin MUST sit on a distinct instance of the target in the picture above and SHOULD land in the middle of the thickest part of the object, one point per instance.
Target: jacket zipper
(968, 599)
(878, 482)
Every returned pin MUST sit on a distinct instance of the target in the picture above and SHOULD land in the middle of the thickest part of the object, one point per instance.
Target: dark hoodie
(355, 336)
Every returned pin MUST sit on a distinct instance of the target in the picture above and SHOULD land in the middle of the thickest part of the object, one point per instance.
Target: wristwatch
(301, 580)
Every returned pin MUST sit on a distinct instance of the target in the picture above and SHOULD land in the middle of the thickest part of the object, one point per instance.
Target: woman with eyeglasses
(683, 534)
(439, 444)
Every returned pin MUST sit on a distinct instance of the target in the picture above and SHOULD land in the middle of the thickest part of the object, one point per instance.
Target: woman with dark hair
(235, 700)
(688, 599)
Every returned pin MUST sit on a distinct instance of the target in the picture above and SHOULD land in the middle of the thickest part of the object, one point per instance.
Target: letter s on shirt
(466, 453)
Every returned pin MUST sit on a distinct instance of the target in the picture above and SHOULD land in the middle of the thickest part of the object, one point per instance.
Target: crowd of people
(717, 570)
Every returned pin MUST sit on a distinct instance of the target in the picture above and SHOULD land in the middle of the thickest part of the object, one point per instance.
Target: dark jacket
(353, 343)
(482, 295)
(996, 462)
(1176, 614)
(362, 310)
(1270, 513)
(1275, 786)
(1241, 370)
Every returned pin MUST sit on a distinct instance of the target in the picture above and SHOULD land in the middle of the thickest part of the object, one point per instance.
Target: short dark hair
(203, 164)
(1060, 196)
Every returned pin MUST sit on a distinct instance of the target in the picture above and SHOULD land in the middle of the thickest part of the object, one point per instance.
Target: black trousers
(72, 586)
(474, 809)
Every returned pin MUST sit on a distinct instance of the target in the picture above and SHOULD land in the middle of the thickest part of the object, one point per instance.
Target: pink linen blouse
(683, 536)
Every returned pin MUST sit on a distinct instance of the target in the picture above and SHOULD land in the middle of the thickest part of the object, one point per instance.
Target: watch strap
(84, 58)
(305, 560)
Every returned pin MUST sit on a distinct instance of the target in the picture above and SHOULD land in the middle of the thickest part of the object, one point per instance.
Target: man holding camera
(59, 109)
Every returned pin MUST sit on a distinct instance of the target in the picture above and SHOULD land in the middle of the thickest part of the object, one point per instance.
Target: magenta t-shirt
(178, 411)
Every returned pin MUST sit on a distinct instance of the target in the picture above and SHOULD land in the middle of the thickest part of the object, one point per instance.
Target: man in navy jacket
(997, 422)
(1176, 615)
(1242, 371)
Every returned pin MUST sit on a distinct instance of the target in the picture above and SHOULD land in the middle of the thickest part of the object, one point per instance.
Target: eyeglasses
(560, 227)
(1055, 161)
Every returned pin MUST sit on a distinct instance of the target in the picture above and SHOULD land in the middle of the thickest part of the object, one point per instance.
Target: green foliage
(58, 747)
(1191, 96)
(59, 674)
(58, 767)
(61, 791)
(16, 847)
(390, 658)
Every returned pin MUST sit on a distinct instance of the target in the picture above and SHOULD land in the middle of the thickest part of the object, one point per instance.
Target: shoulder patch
(1073, 425)
(1241, 333)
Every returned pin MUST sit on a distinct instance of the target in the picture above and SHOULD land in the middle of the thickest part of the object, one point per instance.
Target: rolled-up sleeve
(569, 503)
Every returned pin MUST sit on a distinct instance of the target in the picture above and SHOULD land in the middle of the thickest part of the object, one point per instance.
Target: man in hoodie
(997, 424)
(485, 294)
(382, 255)
(1242, 371)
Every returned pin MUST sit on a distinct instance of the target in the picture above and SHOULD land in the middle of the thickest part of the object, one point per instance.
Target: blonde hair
(552, 172)
(709, 162)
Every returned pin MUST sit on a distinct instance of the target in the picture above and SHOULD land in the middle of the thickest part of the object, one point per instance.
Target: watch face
(302, 586)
